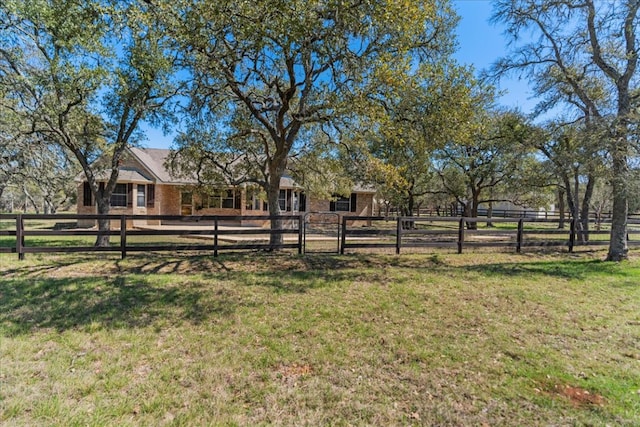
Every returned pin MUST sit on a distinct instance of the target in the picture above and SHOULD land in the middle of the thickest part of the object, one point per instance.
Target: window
(214, 201)
(186, 200)
(225, 199)
(253, 202)
(141, 203)
(343, 204)
(291, 201)
(303, 202)
(119, 196)
(151, 195)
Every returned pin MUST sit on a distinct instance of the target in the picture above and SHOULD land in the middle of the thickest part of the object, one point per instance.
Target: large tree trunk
(618, 249)
(561, 209)
(472, 210)
(490, 215)
(466, 212)
(273, 193)
(104, 225)
(29, 199)
(572, 203)
(408, 210)
(586, 205)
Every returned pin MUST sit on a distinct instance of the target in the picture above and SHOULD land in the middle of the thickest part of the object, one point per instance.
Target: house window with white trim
(228, 197)
(141, 199)
(214, 201)
(282, 200)
(252, 199)
(225, 199)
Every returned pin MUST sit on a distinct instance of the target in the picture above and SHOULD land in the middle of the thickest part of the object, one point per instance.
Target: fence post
(215, 237)
(398, 234)
(339, 234)
(519, 237)
(460, 235)
(343, 237)
(572, 234)
(300, 231)
(20, 237)
(123, 236)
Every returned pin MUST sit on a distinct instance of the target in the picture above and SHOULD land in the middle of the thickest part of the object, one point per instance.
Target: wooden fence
(381, 232)
(212, 232)
(459, 233)
(506, 213)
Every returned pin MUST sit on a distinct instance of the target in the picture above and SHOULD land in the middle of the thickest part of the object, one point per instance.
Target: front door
(187, 203)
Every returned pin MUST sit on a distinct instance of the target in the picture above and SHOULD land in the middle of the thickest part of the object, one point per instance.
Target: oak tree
(583, 55)
(84, 75)
(269, 76)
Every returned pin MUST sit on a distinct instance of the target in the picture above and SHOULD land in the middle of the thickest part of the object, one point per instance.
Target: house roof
(154, 159)
(129, 175)
(362, 189)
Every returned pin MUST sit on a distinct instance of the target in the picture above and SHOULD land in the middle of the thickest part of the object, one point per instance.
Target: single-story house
(145, 187)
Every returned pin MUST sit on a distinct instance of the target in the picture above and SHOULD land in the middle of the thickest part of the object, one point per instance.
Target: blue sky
(480, 44)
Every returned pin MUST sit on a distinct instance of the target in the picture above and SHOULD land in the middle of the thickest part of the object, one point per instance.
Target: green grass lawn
(261, 339)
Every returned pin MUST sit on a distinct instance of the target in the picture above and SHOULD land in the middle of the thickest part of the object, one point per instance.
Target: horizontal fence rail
(459, 233)
(503, 213)
(355, 232)
(208, 226)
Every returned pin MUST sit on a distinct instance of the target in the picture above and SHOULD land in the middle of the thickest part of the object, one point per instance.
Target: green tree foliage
(83, 75)
(417, 116)
(270, 76)
(490, 166)
(577, 160)
(42, 172)
(584, 57)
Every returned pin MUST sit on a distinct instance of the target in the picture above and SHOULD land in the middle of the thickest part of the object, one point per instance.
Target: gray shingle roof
(128, 175)
(154, 160)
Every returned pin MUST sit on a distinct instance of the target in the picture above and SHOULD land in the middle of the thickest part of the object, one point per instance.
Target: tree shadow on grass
(132, 295)
(571, 269)
(172, 265)
(235, 266)
(36, 270)
(28, 304)
(296, 282)
(141, 293)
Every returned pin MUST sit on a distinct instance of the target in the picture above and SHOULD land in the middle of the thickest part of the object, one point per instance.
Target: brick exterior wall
(364, 207)
(168, 202)
(168, 199)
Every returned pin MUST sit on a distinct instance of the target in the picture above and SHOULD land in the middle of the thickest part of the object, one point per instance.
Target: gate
(321, 232)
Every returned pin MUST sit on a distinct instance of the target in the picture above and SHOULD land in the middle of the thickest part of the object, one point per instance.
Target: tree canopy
(84, 75)
(270, 76)
(583, 56)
